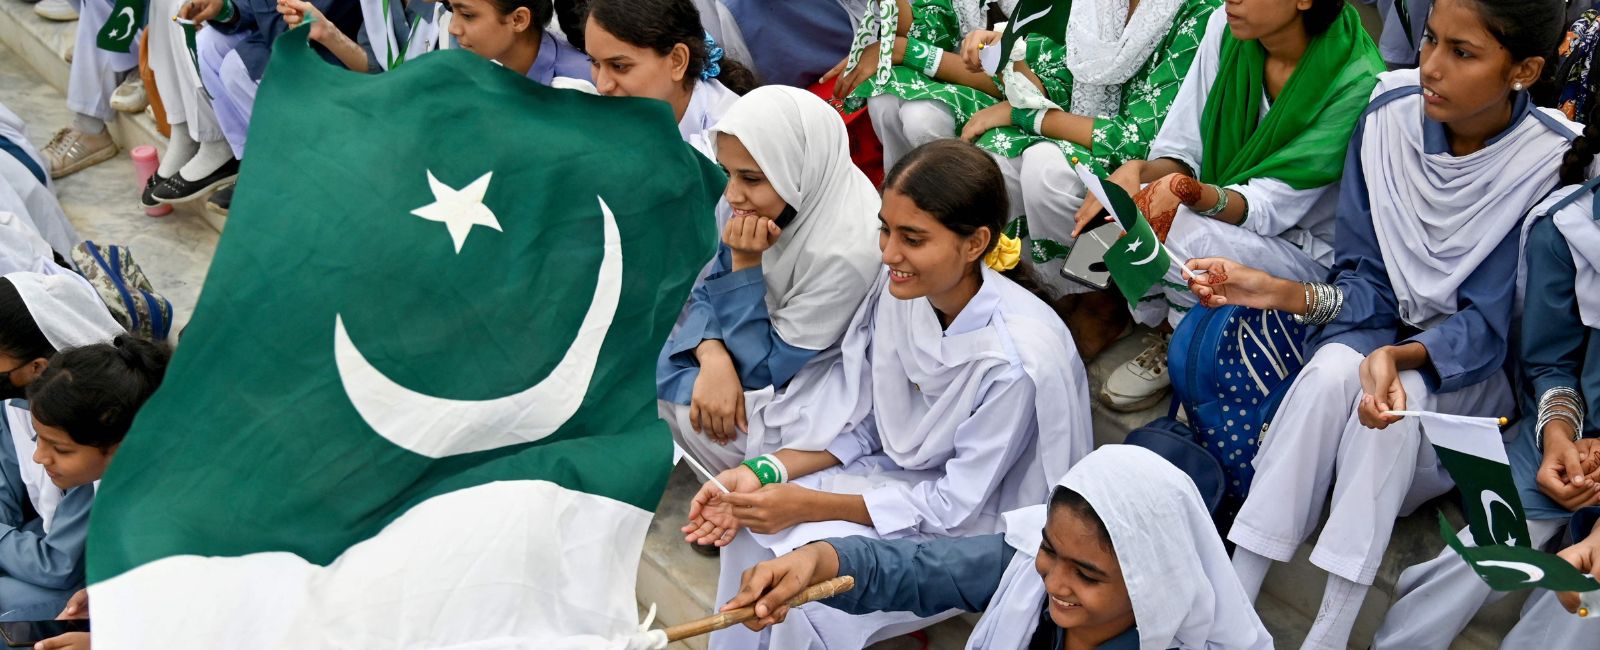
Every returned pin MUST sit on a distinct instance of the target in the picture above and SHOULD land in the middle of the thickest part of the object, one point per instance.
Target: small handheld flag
(1509, 568)
(1472, 450)
(127, 17)
(1138, 260)
(1047, 18)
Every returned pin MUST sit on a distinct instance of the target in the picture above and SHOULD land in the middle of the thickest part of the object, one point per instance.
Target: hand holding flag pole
(819, 591)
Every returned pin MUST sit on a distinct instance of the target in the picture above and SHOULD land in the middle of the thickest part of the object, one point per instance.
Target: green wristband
(766, 468)
(922, 57)
(1028, 119)
(226, 15)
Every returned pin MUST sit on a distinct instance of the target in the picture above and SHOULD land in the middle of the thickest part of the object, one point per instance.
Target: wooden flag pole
(710, 624)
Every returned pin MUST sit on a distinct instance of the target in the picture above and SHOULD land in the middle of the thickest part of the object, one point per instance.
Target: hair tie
(713, 59)
(1006, 254)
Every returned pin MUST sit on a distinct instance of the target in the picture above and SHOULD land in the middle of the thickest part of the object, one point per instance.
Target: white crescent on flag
(1488, 498)
(1534, 573)
(437, 427)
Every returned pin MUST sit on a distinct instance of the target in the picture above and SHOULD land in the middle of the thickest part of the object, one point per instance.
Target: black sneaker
(178, 189)
(220, 200)
(146, 198)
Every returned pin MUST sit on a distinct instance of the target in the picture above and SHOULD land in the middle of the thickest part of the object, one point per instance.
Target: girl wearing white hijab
(1123, 557)
(41, 558)
(797, 259)
(1418, 307)
(957, 394)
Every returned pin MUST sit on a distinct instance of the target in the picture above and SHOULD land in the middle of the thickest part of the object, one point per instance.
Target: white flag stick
(1465, 419)
(704, 472)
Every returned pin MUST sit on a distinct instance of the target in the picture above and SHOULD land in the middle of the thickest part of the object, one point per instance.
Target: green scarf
(1303, 139)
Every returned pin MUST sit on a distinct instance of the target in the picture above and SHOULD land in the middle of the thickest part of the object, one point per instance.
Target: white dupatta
(1438, 216)
(1185, 593)
(825, 260)
(1106, 47)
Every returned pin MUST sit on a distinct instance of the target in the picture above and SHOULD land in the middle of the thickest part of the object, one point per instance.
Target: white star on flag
(459, 210)
(1135, 245)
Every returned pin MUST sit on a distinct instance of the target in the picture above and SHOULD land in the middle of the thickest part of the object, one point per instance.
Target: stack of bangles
(768, 469)
(1560, 403)
(1222, 202)
(1323, 303)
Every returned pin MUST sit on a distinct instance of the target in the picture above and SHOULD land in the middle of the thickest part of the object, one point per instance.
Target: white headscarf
(1185, 593)
(825, 260)
(66, 308)
(1105, 47)
(1438, 216)
(22, 249)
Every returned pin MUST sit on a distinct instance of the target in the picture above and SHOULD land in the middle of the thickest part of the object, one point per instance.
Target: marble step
(42, 45)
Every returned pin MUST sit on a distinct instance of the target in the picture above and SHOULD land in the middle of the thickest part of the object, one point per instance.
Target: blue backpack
(1230, 368)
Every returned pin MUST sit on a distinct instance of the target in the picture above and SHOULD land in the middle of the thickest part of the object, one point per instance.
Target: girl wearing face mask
(957, 394)
(41, 552)
(657, 49)
(796, 260)
(1087, 570)
(1417, 310)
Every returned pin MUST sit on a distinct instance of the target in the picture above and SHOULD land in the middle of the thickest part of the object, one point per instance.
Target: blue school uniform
(261, 24)
(1557, 350)
(558, 58)
(39, 570)
(731, 307)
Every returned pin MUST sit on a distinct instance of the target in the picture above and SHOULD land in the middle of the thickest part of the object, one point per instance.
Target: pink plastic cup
(145, 163)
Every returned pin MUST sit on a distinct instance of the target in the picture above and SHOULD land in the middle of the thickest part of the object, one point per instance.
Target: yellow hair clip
(1006, 254)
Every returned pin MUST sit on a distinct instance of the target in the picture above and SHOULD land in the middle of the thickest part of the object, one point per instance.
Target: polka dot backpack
(1230, 368)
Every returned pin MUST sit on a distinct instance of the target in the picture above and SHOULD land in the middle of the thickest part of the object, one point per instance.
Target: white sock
(1341, 602)
(1252, 570)
(180, 148)
(210, 156)
(88, 124)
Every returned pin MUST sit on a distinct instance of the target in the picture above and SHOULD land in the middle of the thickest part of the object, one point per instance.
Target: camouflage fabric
(133, 302)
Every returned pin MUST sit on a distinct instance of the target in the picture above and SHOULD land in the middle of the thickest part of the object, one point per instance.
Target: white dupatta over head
(825, 260)
(1185, 593)
(1438, 216)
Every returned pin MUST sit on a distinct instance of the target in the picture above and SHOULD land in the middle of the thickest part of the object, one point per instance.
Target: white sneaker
(57, 10)
(1142, 382)
(130, 97)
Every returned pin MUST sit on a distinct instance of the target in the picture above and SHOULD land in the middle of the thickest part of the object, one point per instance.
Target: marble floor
(102, 201)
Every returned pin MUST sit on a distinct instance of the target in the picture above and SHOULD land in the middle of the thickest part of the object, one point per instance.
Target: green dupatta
(1304, 136)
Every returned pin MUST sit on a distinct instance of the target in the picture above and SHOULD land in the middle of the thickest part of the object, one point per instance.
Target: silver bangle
(1324, 302)
(1222, 202)
(1560, 403)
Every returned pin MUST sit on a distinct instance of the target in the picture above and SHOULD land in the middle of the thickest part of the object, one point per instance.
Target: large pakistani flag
(415, 407)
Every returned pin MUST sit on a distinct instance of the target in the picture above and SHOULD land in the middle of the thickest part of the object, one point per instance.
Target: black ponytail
(1580, 156)
(661, 25)
(94, 391)
(20, 335)
(570, 15)
(961, 186)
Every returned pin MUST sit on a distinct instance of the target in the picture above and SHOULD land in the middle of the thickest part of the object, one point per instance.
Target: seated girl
(936, 83)
(1087, 570)
(25, 186)
(41, 556)
(657, 49)
(82, 406)
(796, 260)
(1556, 447)
(1245, 164)
(958, 392)
(1123, 70)
(1417, 310)
(511, 32)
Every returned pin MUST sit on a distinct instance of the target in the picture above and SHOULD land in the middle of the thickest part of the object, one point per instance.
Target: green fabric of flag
(1509, 568)
(1137, 260)
(189, 30)
(434, 281)
(1047, 18)
(127, 18)
(1489, 497)
(1303, 139)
